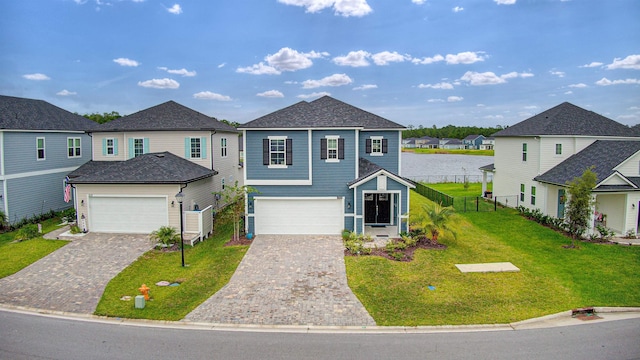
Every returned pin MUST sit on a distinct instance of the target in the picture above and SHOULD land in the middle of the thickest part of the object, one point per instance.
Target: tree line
(106, 117)
(449, 131)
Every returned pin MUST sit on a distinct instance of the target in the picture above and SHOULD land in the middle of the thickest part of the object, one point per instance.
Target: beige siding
(631, 167)
(199, 192)
(227, 167)
(511, 171)
(612, 205)
(633, 211)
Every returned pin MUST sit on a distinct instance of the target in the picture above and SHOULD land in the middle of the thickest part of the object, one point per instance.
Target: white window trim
(376, 153)
(555, 150)
(74, 147)
(134, 146)
(333, 137)
(44, 149)
(113, 146)
(191, 148)
(274, 166)
(223, 147)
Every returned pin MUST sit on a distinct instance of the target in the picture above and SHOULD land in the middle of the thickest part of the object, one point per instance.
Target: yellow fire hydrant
(144, 290)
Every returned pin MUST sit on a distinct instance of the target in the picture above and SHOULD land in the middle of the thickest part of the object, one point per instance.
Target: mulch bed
(241, 241)
(407, 254)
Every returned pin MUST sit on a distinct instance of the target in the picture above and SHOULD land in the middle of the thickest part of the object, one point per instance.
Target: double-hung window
(110, 147)
(558, 149)
(196, 148)
(521, 192)
(74, 147)
(138, 147)
(524, 152)
(40, 153)
(277, 151)
(376, 146)
(332, 148)
(533, 195)
(223, 147)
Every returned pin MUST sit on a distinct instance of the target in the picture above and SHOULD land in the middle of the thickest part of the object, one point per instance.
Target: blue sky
(415, 62)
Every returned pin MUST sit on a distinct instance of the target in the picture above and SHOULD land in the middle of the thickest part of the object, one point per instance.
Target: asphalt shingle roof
(29, 114)
(567, 119)
(604, 155)
(325, 112)
(367, 168)
(169, 116)
(151, 168)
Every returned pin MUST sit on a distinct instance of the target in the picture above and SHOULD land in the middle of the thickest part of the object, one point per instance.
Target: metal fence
(434, 195)
(434, 179)
(468, 203)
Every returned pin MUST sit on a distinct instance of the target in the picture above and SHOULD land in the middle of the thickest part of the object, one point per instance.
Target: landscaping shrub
(27, 232)
(354, 244)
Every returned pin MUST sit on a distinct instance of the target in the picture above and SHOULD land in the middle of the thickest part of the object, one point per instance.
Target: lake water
(434, 168)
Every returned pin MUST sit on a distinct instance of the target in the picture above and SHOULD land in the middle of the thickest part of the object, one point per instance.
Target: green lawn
(16, 256)
(210, 267)
(466, 199)
(552, 278)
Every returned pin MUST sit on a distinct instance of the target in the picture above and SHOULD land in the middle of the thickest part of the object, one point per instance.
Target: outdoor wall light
(633, 206)
(251, 205)
(173, 203)
(81, 202)
(349, 205)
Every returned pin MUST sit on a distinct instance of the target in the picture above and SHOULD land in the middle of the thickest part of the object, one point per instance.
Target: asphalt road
(27, 336)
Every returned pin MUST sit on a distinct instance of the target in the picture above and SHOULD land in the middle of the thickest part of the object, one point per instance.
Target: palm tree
(436, 219)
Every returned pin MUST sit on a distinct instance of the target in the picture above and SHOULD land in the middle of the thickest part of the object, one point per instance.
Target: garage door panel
(127, 214)
(299, 216)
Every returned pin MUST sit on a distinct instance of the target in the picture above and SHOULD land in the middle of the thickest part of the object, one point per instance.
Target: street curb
(563, 318)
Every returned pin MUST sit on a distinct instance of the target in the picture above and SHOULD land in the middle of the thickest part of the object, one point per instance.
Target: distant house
(473, 142)
(535, 159)
(451, 144)
(488, 143)
(409, 143)
(40, 144)
(324, 166)
(141, 161)
(427, 142)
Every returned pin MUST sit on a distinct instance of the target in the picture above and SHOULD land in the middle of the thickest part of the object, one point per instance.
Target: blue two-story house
(324, 166)
(39, 145)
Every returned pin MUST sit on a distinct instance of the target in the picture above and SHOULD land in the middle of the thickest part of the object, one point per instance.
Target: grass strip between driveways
(551, 278)
(210, 266)
(15, 256)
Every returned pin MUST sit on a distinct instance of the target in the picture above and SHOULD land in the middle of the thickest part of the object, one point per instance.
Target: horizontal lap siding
(390, 160)
(299, 170)
(35, 195)
(226, 167)
(20, 152)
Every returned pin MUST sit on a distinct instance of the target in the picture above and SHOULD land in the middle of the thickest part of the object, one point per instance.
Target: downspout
(212, 165)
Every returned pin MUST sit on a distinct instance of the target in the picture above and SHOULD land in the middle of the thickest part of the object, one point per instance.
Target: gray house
(40, 144)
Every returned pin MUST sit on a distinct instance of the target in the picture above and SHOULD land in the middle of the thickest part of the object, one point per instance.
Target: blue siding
(20, 152)
(35, 195)
(389, 160)
(257, 171)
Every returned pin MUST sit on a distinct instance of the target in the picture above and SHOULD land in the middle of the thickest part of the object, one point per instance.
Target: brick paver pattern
(73, 278)
(287, 280)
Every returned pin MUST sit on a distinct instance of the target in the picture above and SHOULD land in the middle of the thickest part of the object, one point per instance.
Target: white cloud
(578, 86)
(259, 69)
(353, 59)
(490, 78)
(505, 2)
(442, 85)
(568, 92)
(36, 76)
(428, 60)
(332, 80)
(435, 100)
(313, 95)
(366, 87)
(66, 92)
(493, 117)
(630, 62)
(607, 82)
(344, 8)
(287, 59)
(557, 73)
(419, 2)
(160, 84)
(126, 62)
(208, 95)
(222, 65)
(454, 98)
(183, 71)
(386, 57)
(467, 57)
(593, 64)
(175, 9)
(531, 107)
(457, 9)
(271, 94)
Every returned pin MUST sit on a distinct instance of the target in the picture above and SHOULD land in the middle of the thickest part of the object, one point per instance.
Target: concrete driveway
(287, 280)
(73, 278)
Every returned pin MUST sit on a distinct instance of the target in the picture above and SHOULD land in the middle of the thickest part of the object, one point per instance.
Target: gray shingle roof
(367, 168)
(604, 155)
(29, 114)
(325, 112)
(169, 116)
(567, 119)
(152, 168)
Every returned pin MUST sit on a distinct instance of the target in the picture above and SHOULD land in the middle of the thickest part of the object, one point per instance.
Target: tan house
(141, 161)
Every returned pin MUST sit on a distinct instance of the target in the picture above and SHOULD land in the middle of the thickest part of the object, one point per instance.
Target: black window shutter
(265, 152)
(340, 148)
(289, 155)
(368, 146)
(385, 146)
(323, 149)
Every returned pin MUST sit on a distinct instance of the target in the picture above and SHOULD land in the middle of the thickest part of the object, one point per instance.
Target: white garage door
(299, 216)
(127, 214)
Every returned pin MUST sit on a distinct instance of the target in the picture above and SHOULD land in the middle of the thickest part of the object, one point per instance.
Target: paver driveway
(73, 278)
(287, 280)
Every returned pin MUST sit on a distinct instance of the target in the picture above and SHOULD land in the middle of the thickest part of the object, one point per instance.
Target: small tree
(234, 197)
(580, 204)
(436, 219)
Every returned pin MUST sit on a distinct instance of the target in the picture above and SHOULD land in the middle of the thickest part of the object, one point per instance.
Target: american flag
(67, 190)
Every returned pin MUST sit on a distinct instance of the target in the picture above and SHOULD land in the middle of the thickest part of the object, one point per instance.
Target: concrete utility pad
(487, 267)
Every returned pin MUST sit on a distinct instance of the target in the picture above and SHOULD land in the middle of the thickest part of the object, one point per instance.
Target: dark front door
(562, 199)
(377, 208)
